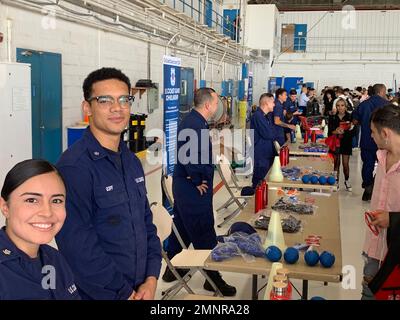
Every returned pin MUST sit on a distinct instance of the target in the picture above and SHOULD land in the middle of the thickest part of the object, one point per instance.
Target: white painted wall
(260, 76)
(344, 24)
(341, 72)
(260, 26)
(85, 49)
(348, 31)
(343, 65)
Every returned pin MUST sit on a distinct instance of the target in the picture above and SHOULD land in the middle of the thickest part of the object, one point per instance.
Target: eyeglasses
(107, 101)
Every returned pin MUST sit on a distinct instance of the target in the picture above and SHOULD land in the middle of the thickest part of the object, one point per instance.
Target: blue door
(208, 13)
(46, 102)
(230, 21)
(300, 37)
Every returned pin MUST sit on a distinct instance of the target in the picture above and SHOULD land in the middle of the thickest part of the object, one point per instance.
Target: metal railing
(218, 22)
(343, 45)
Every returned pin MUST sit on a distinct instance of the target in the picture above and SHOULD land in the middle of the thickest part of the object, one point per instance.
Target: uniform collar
(375, 99)
(96, 150)
(8, 250)
(198, 115)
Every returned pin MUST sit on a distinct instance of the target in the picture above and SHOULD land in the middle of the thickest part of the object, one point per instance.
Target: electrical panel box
(153, 98)
(227, 88)
(15, 116)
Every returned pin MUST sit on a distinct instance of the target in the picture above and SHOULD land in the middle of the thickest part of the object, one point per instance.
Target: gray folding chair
(234, 190)
(188, 258)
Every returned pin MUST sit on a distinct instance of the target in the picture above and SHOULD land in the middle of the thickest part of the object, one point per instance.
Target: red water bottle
(282, 155)
(258, 199)
(306, 133)
(313, 136)
(265, 194)
(287, 155)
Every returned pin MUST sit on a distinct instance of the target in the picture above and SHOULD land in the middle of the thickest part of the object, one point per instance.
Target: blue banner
(172, 90)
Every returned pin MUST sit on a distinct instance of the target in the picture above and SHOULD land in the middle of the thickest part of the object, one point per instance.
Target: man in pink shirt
(385, 127)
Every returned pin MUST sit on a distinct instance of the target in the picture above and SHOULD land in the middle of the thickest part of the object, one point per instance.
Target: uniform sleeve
(198, 166)
(154, 246)
(261, 125)
(278, 111)
(355, 114)
(95, 272)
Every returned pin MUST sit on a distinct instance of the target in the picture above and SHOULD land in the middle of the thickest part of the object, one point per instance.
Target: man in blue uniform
(262, 123)
(292, 105)
(279, 116)
(193, 186)
(362, 116)
(108, 237)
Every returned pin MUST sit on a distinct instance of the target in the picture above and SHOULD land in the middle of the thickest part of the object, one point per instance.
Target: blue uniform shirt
(200, 167)
(21, 276)
(108, 237)
(363, 115)
(264, 135)
(291, 106)
(280, 131)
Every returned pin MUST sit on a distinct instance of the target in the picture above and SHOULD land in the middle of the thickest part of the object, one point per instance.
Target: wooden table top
(324, 222)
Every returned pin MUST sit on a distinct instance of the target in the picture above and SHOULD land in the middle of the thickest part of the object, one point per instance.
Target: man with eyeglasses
(108, 237)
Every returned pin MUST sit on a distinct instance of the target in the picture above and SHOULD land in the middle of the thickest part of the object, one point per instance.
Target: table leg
(254, 294)
(304, 295)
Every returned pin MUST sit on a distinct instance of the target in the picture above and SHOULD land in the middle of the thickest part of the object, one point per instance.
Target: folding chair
(235, 180)
(187, 258)
(225, 171)
(166, 184)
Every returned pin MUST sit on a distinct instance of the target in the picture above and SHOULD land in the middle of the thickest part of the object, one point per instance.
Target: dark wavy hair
(100, 75)
(387, 117)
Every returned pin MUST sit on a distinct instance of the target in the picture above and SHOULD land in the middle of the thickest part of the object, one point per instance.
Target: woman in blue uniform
(33, 203)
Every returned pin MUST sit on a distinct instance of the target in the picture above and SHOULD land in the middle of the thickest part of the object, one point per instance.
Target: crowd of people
(94, 200)
(376, 112)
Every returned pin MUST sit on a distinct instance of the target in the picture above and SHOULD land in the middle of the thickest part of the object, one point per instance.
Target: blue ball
(314, 179)
(291, 255)
(322, 180)
(327, 259)
(273, 253)
(331, 180)
(311, 258)
(317, 298)
(306, 178)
